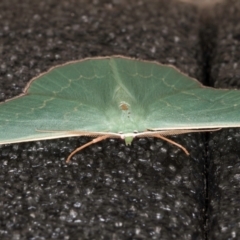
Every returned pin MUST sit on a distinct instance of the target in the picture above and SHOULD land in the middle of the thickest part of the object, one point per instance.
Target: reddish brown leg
(172, 142)
(95, 140)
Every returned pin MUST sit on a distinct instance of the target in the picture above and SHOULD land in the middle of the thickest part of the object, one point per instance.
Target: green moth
(115, 97)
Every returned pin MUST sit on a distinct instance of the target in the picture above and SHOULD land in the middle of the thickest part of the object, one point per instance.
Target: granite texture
(224, 146)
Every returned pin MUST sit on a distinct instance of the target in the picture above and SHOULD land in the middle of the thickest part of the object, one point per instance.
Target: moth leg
(172, 142)
(95, 140)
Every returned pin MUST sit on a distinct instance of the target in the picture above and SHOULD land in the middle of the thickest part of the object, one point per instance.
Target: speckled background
(150, 190)
(224, 146)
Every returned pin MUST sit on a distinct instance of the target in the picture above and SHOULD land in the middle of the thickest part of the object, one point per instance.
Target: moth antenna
(95, 140)
(172, 142)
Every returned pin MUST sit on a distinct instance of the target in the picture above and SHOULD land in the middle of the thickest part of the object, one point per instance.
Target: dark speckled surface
(224, 146)
(150, 190)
